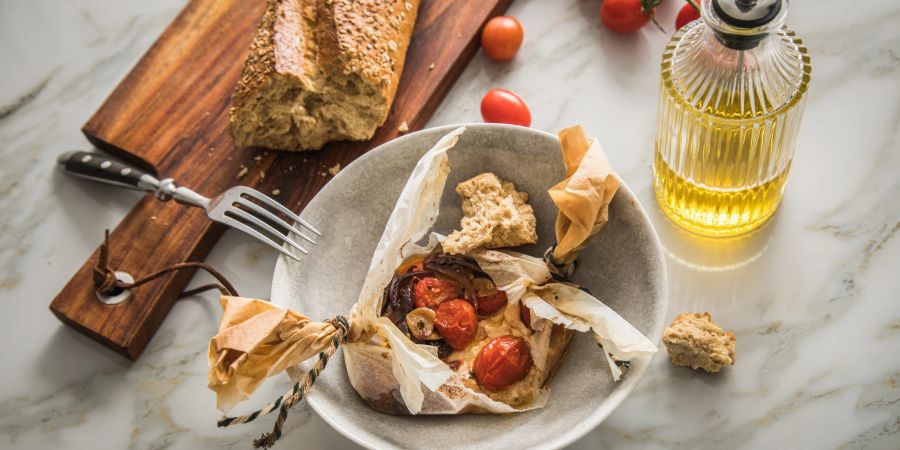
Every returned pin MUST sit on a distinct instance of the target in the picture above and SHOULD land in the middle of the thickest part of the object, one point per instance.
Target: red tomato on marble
(624, 16)
(503, 106)
(501, 38)
(685, 15)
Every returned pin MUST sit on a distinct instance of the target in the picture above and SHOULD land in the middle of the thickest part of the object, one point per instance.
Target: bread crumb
(257, 158)
(333, 170)
(276, 191)
(262, 175)
(494, 215)
(241, 173)
(695, 341)
(431, 67)
(403, 128)
(322, 174)
(152, 217)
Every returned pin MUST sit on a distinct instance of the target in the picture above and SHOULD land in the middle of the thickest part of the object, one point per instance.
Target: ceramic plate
(623, 266)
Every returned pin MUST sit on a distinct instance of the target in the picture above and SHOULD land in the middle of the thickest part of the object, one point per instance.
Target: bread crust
(321, 70)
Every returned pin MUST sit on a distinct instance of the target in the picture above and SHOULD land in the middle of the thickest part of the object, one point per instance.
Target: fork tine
(258, 222)
(268, 215)
(237, 224)
(269, 201)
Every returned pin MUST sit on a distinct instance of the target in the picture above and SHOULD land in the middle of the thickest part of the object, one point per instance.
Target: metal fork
(233, 207)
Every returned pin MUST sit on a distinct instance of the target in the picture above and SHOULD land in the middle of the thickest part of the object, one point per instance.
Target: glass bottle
(732, 92)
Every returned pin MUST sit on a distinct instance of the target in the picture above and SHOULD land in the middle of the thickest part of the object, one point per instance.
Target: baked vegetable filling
(442, 300)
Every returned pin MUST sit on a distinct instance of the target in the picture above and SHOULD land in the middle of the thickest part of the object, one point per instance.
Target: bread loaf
(319, 71)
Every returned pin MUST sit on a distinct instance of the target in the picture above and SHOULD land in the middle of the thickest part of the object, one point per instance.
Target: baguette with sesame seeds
(319, 71)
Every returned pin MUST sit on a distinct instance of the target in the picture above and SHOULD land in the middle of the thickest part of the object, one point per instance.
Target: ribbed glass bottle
(727, 126)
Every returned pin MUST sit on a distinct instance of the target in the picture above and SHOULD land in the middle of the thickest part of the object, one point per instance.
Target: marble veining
(812, 297)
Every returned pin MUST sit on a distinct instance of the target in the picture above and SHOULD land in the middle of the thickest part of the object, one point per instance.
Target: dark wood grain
(169, 116)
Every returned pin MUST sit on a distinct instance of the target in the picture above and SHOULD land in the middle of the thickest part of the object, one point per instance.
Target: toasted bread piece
(694, 340)
(494, 215)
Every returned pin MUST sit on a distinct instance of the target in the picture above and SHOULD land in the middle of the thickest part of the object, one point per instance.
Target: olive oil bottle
(732, 93)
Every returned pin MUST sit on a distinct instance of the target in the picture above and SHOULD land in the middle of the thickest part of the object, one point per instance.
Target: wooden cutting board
(169, 116)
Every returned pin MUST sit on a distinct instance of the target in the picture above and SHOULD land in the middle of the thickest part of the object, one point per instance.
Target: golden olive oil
(727, 125)
(715, 212)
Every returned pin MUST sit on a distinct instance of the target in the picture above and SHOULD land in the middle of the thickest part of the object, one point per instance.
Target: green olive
(421, 324)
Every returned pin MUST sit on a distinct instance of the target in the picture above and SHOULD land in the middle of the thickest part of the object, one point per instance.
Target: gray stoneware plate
(623, 266)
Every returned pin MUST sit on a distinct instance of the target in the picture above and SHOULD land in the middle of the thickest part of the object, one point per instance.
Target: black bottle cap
(747, 13)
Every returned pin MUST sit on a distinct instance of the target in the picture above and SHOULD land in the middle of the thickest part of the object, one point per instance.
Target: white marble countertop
(813, 298)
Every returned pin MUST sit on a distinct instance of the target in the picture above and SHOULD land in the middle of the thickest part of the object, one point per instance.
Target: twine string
(296, 393)
(106, 283)
(559, 271)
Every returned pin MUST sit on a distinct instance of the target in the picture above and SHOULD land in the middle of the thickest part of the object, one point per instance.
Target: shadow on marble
(73, 194)
(628, 50)
(69, 352)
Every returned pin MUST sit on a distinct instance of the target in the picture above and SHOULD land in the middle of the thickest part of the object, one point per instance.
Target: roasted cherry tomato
(491, 303)
(502, 106)
(457, 322)
(490, 300)
(685, 15)
(525, 315)
(625, 16)
(430, 292)
(501, 38)
(502, 362)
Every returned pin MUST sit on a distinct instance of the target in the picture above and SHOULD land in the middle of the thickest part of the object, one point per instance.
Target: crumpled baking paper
(583, 198)
(255, 342)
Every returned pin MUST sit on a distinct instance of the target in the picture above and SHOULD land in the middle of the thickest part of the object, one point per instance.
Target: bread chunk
(494, 215)
(696, 341)
(319, 71)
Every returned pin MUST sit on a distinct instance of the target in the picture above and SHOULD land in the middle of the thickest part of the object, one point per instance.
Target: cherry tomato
(685, 15)
(491, 303)
(501, 38)
(502, 106)
(457, 322)
(430, 292)
(525, 315)
(625, 16)
(502, 362)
